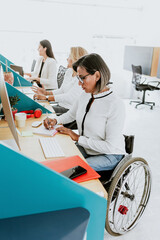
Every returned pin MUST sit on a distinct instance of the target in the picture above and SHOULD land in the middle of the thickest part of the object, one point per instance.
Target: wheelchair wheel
(128, 196)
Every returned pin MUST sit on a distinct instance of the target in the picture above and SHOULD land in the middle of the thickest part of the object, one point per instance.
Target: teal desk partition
(25, 103)
(23, 81)
(46, 226)
(28, 187)
(3, 59)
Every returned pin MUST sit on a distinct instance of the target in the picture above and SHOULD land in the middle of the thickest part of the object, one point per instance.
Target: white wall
(101, 29)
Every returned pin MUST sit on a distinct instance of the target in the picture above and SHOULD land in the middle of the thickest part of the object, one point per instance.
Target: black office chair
(140, 86)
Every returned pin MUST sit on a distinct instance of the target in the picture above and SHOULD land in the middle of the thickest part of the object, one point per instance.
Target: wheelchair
(129, 187)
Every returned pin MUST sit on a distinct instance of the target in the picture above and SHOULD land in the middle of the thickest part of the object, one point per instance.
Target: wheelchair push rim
(128, 196)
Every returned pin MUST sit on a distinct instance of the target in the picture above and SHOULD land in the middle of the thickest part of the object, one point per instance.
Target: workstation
(29, 146)
(52, 148)
(62, 121)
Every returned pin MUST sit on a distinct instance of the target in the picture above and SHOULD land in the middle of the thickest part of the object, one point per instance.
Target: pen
(48, 122)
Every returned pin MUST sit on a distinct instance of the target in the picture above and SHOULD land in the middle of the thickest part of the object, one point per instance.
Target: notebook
(43, 131)
(63, 164)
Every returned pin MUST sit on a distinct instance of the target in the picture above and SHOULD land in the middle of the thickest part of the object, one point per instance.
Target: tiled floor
(145, 125)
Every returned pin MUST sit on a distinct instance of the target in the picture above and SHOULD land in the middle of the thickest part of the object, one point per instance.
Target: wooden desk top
(30, 147)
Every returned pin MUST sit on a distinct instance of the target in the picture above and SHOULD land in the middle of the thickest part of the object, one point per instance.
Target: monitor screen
(7, 107)
(18, 69)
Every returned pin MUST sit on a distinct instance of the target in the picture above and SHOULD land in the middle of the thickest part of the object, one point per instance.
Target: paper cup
(20, 119)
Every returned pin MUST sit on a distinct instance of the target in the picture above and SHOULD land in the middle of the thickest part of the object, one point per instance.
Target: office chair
(33, 65)
(140, 86)
(60, 75)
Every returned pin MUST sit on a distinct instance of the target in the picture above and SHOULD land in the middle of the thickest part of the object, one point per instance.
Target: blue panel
(3, 59)
(49, 225)
(22, 80)
(137, 55)
(25, 103)
(27, 187)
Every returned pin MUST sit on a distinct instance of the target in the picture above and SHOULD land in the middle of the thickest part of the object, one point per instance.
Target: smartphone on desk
(74, 172)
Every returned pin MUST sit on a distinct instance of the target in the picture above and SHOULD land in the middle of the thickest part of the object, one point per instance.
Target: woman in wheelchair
(99, 113)
(100, 117)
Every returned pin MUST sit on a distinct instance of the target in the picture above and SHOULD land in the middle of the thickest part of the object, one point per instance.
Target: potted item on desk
(13, 101)
(8, 76)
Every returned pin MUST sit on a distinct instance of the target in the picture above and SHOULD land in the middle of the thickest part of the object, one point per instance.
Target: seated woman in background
(69, 91)
(45, 69)
(99, 113)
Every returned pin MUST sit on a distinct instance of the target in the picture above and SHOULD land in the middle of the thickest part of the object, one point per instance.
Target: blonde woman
(69, 91)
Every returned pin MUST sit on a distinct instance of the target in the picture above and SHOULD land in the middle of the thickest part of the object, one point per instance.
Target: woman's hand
(39, 97)
(69, 132)
(28, 74)
(51, 98)
(49, 123)
(39, 90)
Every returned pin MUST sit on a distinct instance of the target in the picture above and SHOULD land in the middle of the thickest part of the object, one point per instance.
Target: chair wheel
(128, 196)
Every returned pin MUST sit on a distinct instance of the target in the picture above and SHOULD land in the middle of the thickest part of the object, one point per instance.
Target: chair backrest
(137, 72)
(129, 143)
(33, 65)
(60, 75)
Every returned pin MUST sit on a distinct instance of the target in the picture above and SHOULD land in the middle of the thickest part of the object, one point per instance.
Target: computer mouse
(36, 124)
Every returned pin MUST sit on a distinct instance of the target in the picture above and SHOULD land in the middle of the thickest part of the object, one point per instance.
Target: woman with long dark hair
(67, 94)
(45, 69)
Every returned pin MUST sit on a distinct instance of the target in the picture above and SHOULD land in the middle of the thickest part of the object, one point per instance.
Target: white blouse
(103, 125)
(69, 91)
(49, 73)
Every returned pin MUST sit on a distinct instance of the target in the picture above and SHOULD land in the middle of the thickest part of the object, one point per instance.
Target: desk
(149, 79)
(30, 147)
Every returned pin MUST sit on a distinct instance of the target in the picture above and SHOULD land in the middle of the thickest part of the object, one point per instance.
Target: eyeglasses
(81, 79)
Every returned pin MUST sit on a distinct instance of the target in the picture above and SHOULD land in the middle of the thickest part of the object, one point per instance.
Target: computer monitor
(18, 69)
(7, 107)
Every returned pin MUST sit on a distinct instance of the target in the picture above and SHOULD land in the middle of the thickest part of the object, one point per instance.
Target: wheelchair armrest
(129, 143)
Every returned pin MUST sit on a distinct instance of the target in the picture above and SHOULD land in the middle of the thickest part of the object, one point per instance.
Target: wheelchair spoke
(129, 197)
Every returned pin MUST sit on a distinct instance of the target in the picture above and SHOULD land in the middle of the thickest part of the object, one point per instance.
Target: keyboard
(51, 147)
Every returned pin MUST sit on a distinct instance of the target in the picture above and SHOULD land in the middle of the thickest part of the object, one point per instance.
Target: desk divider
(28, 187)
(23, 81)
(48, 225)
(25, 103)
(3, 59)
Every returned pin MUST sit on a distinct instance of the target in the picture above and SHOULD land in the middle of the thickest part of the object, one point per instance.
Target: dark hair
(92, 63)
(47, 44)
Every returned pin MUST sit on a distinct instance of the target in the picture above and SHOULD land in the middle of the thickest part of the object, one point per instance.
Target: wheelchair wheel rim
(132, 199)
